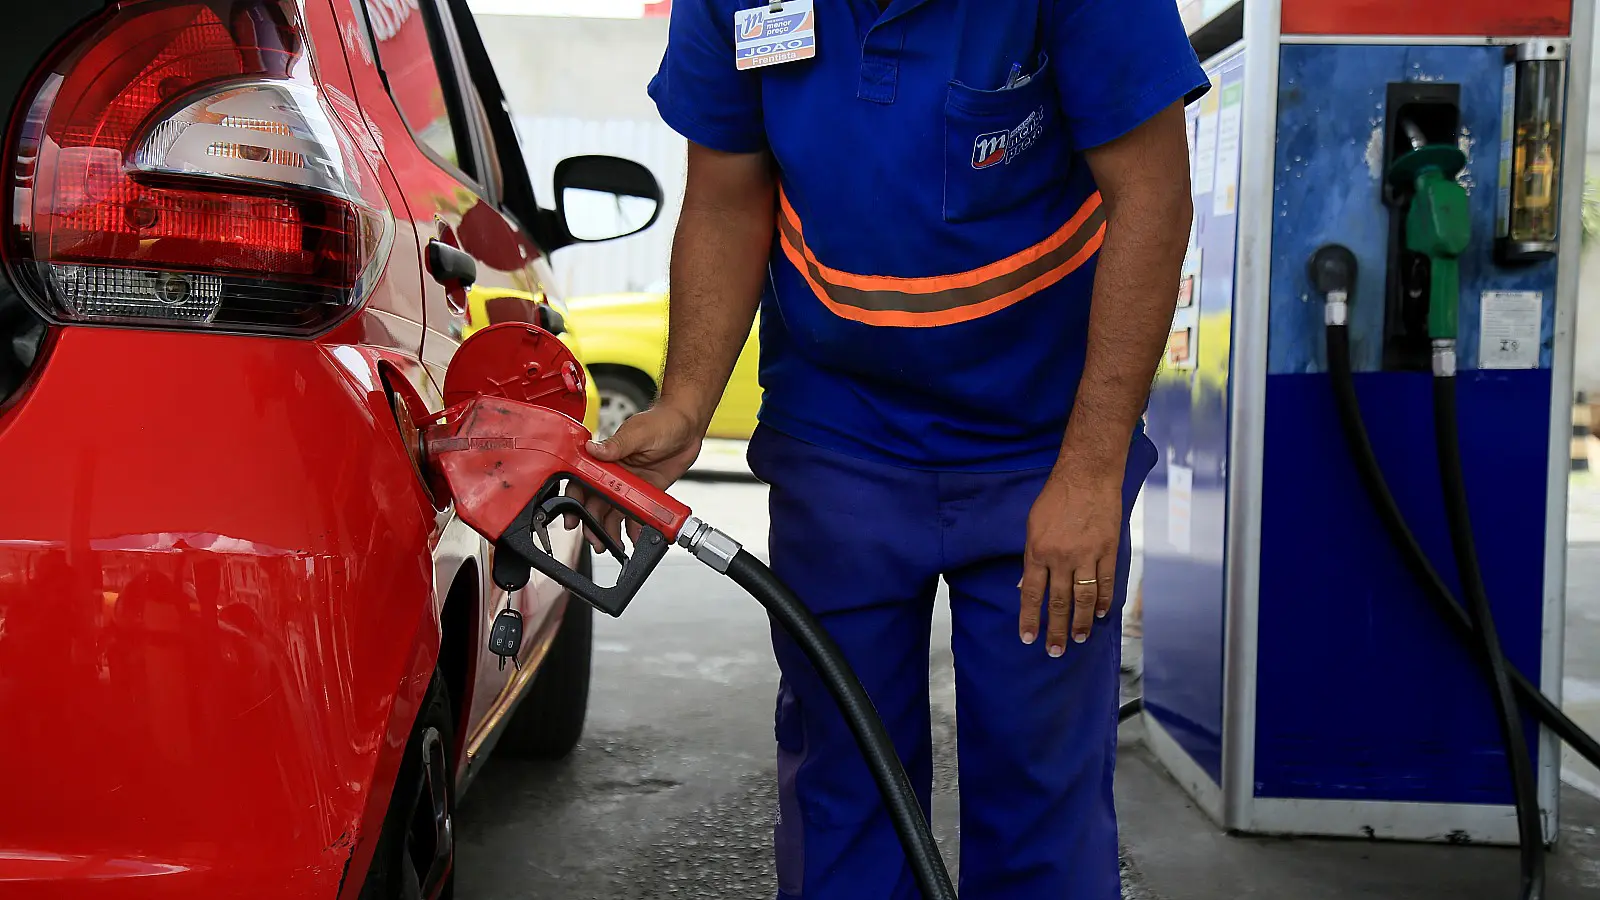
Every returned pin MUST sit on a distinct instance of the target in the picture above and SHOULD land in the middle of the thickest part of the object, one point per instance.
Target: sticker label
(1181, 349)
(1180, 494)
(1508, 329)
(1224, 194)
(1191, 271)
(1205, 151)
(766, 38)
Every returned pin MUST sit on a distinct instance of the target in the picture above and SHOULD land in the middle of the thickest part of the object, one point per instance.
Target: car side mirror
(600, 198)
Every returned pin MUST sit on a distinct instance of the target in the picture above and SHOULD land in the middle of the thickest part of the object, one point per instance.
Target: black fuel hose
(1491, 655)
(1416, 559)
(899, 797)
(1474, 624)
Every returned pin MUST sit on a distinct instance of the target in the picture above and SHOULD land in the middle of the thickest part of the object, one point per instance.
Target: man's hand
(659, 445)
(1076, 523)
(1071, 556)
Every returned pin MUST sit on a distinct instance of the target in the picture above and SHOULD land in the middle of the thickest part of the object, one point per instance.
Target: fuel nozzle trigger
(525, 546)
(560, 505)
(513, 565)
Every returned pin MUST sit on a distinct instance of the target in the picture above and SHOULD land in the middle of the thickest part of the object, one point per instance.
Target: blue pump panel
(1327, 189)
(1185, 497)
(1363, 693)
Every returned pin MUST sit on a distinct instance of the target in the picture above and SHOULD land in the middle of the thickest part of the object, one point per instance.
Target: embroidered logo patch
(989, 149)
(997, 147)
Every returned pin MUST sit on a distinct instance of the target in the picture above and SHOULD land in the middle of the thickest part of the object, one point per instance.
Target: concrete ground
(1580, 689)
(671, 794)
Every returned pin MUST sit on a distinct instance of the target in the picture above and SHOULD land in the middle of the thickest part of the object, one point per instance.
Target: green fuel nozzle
(1438, 227)
(1438, 222)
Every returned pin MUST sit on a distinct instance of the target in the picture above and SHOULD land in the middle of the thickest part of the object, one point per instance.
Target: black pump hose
(1371, 474)
(899, 797)
(1476, 623)
(1491, 654)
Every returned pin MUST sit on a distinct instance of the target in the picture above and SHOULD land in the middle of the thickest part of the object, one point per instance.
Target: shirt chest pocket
(1001, 147)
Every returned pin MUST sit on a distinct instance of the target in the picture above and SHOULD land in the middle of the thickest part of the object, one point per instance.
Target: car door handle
(451, 266)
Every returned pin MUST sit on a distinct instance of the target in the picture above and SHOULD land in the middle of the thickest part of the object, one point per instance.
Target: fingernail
(1019, 583)
(593, 446)
(1100, 614)
(1057, 649)
(1079, 638)
(1028, 636)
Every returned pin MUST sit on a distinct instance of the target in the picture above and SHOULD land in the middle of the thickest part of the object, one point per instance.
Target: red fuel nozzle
(498, 455)
(505, 464)
(507, 447)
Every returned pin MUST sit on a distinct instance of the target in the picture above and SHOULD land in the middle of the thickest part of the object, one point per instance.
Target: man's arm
(719, 260)
(1075, 527)
(1144, 184)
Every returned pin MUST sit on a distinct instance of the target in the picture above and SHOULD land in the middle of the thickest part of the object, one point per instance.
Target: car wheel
(620, 399)
(549, 720)
(415, 856)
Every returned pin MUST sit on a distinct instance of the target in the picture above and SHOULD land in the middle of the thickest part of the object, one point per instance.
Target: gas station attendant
(963, 221)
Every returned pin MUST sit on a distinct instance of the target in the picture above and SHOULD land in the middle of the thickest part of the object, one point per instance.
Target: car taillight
(179, 167)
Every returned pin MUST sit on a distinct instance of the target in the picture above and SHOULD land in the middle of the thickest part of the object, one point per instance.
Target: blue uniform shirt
(928, 300)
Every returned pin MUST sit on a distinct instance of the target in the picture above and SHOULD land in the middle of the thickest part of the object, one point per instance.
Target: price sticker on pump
(778, 33)
(1508, 329)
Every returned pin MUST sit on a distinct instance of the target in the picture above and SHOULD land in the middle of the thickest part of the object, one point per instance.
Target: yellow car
(488, 306)
(625, 347)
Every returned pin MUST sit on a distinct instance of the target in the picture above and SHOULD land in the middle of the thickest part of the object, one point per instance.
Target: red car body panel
(210, 595)
(221, 577)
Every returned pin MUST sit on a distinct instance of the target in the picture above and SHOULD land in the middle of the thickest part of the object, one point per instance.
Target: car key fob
(505, 637)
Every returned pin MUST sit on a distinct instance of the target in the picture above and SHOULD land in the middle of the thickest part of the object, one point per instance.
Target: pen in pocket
(1016, 73)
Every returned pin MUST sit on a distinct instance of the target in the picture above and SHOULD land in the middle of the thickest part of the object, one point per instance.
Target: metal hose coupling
(708, 545)
(1444, 357)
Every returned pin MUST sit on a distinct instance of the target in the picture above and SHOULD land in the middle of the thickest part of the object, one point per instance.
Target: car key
(505, 636)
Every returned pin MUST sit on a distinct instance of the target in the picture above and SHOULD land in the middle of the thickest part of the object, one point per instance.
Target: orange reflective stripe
(945, 299)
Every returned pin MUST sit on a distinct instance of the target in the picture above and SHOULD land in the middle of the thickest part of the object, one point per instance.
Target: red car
(243, 648)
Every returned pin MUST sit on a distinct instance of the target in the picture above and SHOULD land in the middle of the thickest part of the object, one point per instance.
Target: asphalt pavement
(671, 792)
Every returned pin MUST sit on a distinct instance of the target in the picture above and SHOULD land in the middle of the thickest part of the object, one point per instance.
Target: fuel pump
(1385, 236)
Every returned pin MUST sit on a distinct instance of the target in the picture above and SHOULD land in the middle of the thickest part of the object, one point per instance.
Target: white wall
(577, 86)
(573, 67)
(1586, 362)
(1586, 359)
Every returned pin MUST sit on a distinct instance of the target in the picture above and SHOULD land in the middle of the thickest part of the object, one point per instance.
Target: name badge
(774, 33)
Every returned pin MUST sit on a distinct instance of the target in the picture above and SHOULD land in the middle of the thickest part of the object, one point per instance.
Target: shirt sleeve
(1119, 62)
(698, 91)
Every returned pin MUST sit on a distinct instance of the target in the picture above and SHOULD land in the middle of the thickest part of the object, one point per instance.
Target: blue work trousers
(863, 545)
